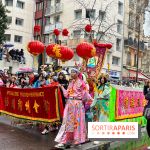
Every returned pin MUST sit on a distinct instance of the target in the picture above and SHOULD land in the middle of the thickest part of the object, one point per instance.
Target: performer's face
(74, 74)
(102, 80)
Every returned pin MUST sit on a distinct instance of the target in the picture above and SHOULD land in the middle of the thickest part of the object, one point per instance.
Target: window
(102, 15)
(19, 21)
(78, 14)
(118, 44)
(18, 39)
(48, 3)
(129, 59)
(115, 60)
(8, 37)
(77, 33)
(131, 4)
(47, 20)
(46, 39)
(137, 23)
(39, 6)
(20, 4)
(87, 35)
(9, 2)
(119, 26)
(131, 22)
(56, 19)
(120, 8)
(9, 19)
(57, 1)
(90, 13)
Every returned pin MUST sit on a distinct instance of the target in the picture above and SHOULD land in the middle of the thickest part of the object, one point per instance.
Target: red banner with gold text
(41, 104)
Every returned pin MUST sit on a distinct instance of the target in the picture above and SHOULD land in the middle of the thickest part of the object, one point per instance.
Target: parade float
(45, 104)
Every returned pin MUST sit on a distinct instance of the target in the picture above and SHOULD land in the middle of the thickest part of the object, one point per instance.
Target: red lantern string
(88, 28)
(86, 50)
(35, 47)
(37, 28)
(65, 32)
(56, 32)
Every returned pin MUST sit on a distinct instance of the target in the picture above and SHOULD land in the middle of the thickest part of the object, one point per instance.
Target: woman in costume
(99, 106)
(73, 128)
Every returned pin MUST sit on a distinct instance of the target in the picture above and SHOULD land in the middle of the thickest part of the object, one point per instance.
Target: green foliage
(3, 22)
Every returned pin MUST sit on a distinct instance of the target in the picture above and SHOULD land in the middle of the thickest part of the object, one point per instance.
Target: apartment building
(134, 46)
(20, 30)
(74, 16)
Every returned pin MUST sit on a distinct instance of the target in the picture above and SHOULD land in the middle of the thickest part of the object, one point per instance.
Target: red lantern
(65, 32)
(103, 45)
(88, 28)
(35, 47)
(86, 50)
(49, 50)
(56, 32)
(109, 46)
(66, 53)
(37, 28)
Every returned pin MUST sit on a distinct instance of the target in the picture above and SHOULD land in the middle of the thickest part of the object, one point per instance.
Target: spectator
(1, 81)
(146, 87)
(21, 56)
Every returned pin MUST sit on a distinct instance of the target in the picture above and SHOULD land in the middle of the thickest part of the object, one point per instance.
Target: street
(16, 139)
(21, 138)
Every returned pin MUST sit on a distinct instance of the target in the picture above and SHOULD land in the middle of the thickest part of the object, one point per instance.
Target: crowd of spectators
(13, 54)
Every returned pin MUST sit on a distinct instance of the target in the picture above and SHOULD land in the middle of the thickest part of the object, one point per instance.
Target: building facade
(146, 58)
(106, 17)
(134, 47)
(20, 31)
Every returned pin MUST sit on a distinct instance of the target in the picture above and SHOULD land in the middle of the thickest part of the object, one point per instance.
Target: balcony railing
(54, 9)
(134, 43)
(51, 27)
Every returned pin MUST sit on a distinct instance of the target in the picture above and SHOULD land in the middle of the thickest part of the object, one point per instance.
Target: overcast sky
(147, 23)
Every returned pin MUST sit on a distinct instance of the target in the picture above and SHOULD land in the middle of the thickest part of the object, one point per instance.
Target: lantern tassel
(35, 61)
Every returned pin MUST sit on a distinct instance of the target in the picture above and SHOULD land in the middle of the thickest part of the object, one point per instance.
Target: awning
(131, 74)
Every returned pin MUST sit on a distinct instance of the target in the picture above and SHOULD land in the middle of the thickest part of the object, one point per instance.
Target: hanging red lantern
(88, 28)
(103, 45)
(35, 47)
(65, 32)
(37, 28)
(53, 50)
(109, 46)
(66, 53)
(56, 32)
(86, 50)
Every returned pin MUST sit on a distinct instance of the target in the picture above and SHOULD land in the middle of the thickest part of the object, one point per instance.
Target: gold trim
(29, 118)
(57, 110)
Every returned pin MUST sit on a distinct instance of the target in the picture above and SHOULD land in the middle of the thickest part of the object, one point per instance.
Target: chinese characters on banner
(129, 104)
(41, 104)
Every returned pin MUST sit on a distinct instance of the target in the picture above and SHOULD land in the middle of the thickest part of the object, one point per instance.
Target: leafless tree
(103, 24)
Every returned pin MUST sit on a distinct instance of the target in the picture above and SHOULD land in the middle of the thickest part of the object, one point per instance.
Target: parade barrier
(127, 105)
(41, 104)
